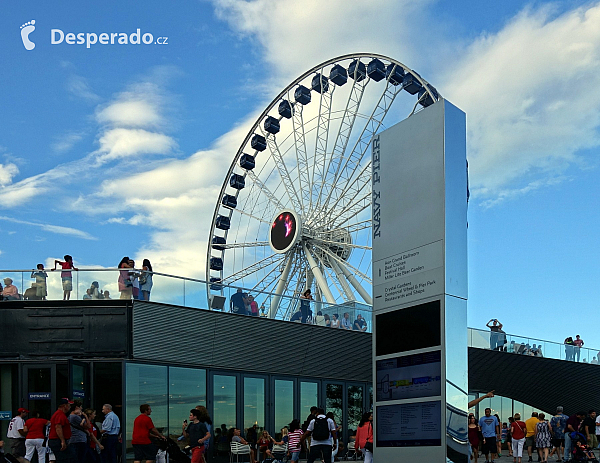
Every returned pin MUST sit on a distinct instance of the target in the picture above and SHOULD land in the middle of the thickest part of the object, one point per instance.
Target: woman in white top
(335, 321)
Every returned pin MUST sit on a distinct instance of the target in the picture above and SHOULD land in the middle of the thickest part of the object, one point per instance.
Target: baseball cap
(64, 401)
(559, 409)
(21, 410)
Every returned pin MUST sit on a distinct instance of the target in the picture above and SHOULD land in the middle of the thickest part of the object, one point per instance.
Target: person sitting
(360, 324)
(10, 291)
(297, 317)
(319, 319)
(235, 436)
(264, 443)
(88, 294)
(30, 294)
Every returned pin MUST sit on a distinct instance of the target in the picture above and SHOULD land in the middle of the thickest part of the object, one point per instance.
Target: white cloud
(66, 142)
(78, 86)
(130, 113)
(7, 172)
(60, 230)
(531, 93)
(123, 143)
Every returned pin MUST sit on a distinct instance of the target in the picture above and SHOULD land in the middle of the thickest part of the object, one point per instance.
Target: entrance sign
(420, 287)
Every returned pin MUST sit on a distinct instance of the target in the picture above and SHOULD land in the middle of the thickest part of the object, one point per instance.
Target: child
(40, 282)
(66, 276)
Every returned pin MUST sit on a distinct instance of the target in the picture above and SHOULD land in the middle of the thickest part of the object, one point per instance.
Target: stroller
(176, 455)
(580, 451)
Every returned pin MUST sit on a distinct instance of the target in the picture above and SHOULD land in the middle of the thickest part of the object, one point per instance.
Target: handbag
(127, 283)
(143, 278)
(369, 445)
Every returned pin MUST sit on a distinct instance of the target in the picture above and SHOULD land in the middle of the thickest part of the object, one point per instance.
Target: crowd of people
(132, 283)
(71, 435)
(498, 341)
(568, 438)
(242, 303)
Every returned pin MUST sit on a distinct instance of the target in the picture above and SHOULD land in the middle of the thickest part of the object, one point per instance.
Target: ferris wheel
(294, 211)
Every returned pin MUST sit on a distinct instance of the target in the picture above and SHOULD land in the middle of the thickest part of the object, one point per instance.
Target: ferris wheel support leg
(340, 276)
(280, 287)
(314, 267)
(357, 286)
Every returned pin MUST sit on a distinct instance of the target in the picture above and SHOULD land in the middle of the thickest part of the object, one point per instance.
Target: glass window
(254, 403)
(40, 380)
(370, 398)
(506, 409)
(355, 406)
(309, 397)
(187, 388)
(334, 401)
(224, 400)
(284, 403)
(145, 384)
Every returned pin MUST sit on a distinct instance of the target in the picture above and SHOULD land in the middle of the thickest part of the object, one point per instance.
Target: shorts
(144, 452)
(67, 283)
(17, 447)
(530, 441)
(489, 446)
(558, 442)
(40, 290)
(296, 456)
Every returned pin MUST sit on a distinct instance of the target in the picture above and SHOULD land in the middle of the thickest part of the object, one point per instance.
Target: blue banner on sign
(5, 415)
(39, 396)
(80, 394)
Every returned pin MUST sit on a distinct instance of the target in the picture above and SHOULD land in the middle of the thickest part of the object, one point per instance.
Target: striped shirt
(294, 440)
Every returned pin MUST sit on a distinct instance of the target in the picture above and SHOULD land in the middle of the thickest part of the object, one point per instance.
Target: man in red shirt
(60, 433)
(143, 428)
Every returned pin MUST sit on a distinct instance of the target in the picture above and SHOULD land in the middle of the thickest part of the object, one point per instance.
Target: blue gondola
(214, 284)
(411, 84)
(271, 125)
(395, 74)
(285, 109)
(357, 70)
(222, 222)
(320, 83)
(258, 142)
(216, 263)
(247, 162)
(237, 181)
(218, 242)
(302, 95)
(338, 75)
(229, 201)
(376, 70)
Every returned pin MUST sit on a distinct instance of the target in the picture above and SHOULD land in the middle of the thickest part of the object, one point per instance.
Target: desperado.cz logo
(57, 36)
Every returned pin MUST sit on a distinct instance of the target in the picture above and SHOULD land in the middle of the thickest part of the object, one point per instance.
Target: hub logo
(27, 29)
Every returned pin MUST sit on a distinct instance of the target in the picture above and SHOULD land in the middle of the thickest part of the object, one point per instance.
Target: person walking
(518, 430)
(35, 428)
(473, 433)
(558, 423)
(543, 434)
(323, 437)
(16, 434)
(530, 437)
(60, 433)
(143, 429)
(364, 436)
(198, 434)
(490, 429)
(111, 427)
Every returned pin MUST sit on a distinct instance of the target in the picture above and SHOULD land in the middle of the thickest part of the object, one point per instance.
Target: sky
(113, 150)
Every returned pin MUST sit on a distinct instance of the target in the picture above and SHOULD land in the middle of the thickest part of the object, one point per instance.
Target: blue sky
(121, 149)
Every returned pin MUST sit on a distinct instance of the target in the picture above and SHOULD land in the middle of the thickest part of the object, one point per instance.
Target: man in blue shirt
(238, 302)
(111, 427)
(490, 429)
(558, 423)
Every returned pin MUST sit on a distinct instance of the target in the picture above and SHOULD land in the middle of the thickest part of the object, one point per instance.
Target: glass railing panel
(195, 294)
(479, 338)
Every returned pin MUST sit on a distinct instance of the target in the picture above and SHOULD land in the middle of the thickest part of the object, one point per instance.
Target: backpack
(321, 429)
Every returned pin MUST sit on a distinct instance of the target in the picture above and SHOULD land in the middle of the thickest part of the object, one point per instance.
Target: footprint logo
(27, 29)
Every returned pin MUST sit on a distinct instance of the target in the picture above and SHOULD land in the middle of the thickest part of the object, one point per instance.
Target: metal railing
(523, 345)
(167, 289)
